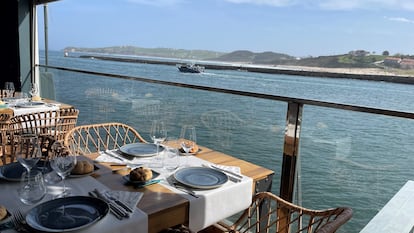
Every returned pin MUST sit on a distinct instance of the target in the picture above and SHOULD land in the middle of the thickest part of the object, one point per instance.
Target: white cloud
(336, 4)
(400, 19)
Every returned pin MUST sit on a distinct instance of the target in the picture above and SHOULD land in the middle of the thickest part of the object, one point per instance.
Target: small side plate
(154, 175)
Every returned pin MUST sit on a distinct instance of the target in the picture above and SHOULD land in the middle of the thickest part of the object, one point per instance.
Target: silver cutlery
(19, 221)
(115, 210)
(120, 203)
(232, 176)
(185, 189)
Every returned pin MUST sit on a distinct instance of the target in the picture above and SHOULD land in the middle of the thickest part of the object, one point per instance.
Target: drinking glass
(32, 187)
(9, 88)
(171, 161)
(187, 140)
(27, 150)
(62, 162)
(34, 91)
(158, 134)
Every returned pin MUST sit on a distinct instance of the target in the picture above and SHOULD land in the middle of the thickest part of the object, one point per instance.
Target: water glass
(32, 187)
(171, 159)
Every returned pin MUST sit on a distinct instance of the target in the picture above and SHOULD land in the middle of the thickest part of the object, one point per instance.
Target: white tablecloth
(138, 222)
(212, 205)
(47, 107)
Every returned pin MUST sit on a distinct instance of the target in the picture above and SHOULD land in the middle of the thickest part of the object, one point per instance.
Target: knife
(232, 176)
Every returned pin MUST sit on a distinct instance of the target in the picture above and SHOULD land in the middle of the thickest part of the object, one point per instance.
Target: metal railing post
(290, 150)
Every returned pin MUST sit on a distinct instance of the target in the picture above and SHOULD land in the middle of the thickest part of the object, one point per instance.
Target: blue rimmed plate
(140, 149)
(14, 171)
(80, 212)
(201, 177)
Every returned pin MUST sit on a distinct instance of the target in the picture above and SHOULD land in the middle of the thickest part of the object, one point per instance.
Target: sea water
(346, 158)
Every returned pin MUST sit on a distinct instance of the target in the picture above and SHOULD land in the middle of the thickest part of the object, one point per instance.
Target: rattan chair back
(270, 213)
(49, 126)
(88, 139)
(5, 136)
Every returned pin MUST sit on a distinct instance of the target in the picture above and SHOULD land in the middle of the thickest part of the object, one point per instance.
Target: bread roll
(194, 149)
(140, 174)
(3, 212)
(82, 167)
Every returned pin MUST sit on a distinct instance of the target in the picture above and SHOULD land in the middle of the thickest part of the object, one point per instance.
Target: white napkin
(43, 108)
(130, 199)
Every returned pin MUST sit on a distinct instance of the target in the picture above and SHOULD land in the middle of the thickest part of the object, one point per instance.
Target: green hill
(351, 60)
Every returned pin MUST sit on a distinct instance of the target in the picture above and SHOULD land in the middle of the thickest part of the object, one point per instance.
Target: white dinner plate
(140, 149)
(201, 177)
(81, 212)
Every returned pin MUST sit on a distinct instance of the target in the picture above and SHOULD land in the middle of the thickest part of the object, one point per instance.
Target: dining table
(161, 203)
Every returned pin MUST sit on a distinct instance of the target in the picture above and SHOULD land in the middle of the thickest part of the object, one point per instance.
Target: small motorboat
(190, 68)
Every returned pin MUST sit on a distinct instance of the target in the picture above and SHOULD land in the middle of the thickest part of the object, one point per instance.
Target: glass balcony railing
(357, 158)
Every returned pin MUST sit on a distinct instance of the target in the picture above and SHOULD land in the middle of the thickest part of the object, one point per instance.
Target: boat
(190, 68)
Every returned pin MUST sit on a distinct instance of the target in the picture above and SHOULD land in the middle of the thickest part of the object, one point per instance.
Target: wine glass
(62, 162)
(34, 91)
(32, 187)
(158, 134)
(27, 150)
(9, 88)
(188, 140)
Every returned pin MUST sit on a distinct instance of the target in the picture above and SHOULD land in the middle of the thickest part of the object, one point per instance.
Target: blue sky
(295, 27)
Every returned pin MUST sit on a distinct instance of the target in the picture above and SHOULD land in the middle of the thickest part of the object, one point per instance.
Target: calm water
(346, 158)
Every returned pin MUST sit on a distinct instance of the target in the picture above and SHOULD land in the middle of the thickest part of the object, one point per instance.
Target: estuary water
(346, 158)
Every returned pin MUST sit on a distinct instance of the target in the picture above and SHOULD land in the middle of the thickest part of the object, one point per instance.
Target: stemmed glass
(34, 91)
(27, 150)
(62, 162)
(188, 140)
(158, 134)
(9, 88)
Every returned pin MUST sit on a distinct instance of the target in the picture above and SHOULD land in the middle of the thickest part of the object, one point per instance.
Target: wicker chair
(49, 126)
(88, 139)
(4, 136)
(270, 213)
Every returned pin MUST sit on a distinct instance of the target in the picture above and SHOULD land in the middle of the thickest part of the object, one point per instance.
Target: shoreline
(371, 74)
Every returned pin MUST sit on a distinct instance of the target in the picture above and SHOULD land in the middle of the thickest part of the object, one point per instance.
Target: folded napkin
(130, 199)
(43, 108)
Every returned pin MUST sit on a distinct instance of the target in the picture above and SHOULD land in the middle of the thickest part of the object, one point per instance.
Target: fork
(19, 221)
